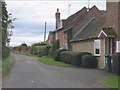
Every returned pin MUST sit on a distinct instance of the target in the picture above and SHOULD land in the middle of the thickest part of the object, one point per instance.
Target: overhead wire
(18, 10)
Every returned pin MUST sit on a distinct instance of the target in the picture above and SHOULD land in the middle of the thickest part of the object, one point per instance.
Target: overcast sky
(31, 16)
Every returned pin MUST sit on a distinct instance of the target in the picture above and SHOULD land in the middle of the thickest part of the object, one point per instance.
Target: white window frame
(118, 46)
(97, 40)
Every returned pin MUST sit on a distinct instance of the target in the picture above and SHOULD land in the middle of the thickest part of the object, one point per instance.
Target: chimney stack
(57, 16)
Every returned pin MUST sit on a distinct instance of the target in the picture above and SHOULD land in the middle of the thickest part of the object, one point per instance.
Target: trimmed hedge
(116, 63)
(57, 55)
(89, 61)
(74, 58)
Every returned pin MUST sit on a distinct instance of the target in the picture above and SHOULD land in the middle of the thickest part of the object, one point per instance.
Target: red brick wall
(61, 37)
(51, 37)
(113, 17)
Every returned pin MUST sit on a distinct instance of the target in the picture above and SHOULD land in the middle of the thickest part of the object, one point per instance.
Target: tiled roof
(73, 19)
(91, 29)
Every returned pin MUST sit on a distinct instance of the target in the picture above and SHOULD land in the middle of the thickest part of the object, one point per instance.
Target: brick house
(73, 24)
(101, 35)
(92, 30)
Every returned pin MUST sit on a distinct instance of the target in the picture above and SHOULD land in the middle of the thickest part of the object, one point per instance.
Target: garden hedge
(40, 50)
(57, 54)
(74, 58)
(116, 63)
(89, 61)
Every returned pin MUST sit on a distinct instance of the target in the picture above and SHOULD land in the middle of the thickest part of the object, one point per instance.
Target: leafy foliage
(23, 47)
(40, 44)
(40, 49)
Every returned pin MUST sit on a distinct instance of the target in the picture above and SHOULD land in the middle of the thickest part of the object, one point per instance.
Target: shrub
(54, 47)
(89, 61)
(57, 55)
(74, 58)
(116, 63)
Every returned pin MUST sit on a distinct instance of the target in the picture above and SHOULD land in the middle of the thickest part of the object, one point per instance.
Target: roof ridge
(76, 12)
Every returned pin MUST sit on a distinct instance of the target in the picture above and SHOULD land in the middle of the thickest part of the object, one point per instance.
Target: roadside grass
(49, 61)
(7, 65)
(112, 81)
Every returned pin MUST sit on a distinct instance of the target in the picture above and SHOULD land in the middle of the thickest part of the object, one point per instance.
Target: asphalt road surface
(28, 72)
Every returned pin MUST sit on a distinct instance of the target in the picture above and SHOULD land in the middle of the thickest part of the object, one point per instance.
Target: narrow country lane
(30, 73)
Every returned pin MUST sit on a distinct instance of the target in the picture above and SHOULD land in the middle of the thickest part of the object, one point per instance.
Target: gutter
(71, 41)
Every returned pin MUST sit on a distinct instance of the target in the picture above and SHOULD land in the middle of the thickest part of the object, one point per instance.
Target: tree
(6, 30)
(7, 26)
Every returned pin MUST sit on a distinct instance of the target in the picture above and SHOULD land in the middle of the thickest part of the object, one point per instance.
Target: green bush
(54, 47)
(116, 63)
(37, 49)
(40, 50)
(57, 55)
(89, 61)
(74, 58)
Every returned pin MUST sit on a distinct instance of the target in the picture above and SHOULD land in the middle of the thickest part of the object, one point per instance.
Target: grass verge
(112, 82)
(7, 65)
(50, 61)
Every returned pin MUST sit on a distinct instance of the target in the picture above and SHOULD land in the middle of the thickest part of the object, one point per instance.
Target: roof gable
(108, 32)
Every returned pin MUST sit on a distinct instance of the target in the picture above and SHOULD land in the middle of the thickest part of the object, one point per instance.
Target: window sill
(97, 55)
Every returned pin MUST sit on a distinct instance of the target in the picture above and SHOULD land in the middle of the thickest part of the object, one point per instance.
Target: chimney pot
(57, 10)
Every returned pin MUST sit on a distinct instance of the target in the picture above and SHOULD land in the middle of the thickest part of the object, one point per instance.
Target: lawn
(112, 81)
(50, 61)
(7, 65)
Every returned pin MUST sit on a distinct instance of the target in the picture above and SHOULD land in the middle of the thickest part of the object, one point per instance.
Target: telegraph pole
(45, 31)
